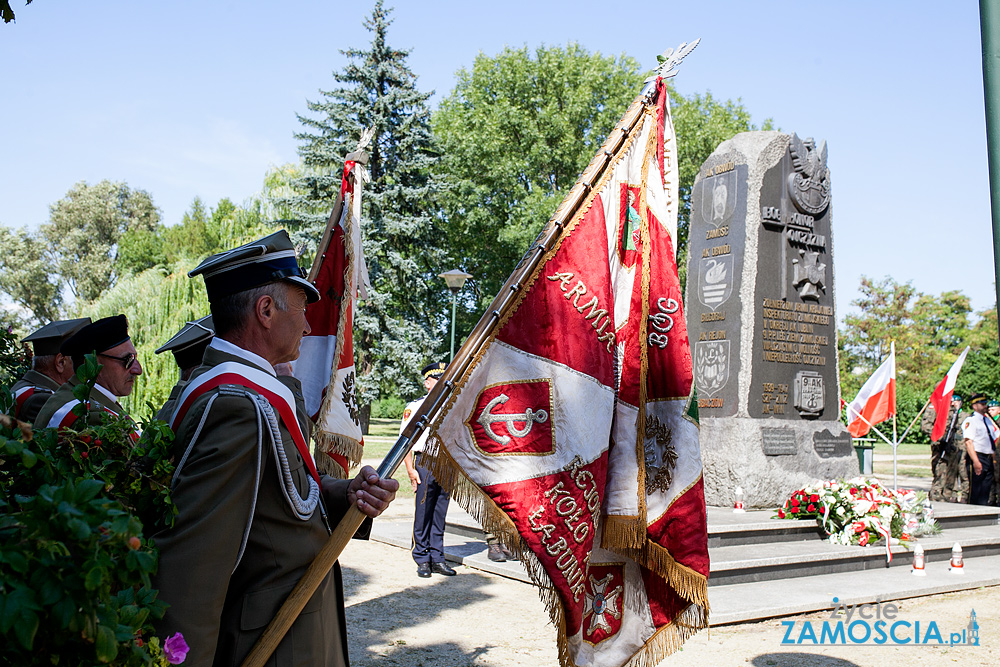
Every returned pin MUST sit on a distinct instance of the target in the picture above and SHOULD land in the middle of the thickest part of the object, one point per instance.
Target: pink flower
(176, 649)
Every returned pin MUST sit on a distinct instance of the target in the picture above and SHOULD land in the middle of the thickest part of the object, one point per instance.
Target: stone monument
(760, 307)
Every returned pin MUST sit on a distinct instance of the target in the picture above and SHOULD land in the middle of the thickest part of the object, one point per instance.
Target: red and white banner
(876, 401)
(326, 358)
(941, 397)
(582, 401)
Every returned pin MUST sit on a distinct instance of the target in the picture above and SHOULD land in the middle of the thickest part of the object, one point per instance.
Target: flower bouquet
(861, 511)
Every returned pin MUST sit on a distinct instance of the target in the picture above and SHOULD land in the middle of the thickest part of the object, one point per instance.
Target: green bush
(74, 564)
(390, 407)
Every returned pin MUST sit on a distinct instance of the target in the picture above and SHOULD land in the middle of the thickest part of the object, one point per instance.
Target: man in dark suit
(50, 369)
(252, 510)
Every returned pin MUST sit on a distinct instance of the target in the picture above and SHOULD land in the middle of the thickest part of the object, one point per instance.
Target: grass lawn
(904, 449)
(884, 470)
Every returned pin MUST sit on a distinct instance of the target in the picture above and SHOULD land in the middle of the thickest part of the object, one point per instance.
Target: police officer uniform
(35, 387)
(981, 435)
(252, 511)
(188, 347)
(96, 337)
(431, 502)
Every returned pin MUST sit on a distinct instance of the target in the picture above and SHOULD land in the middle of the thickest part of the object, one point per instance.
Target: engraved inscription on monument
(715, 250)
(796, 343)
(779, 442)
(828, 445)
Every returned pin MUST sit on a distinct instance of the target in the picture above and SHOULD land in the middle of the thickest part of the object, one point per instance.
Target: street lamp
(455, 279)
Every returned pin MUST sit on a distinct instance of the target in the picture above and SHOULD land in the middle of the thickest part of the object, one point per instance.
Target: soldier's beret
(993, 403)
(434, 370)
(188, 345)
(977, 398)
(98, 336)
(49, 339)
(267, 260)
(956, 396)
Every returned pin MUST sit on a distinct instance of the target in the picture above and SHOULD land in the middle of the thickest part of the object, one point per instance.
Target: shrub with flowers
(75, 562)
(861, 511)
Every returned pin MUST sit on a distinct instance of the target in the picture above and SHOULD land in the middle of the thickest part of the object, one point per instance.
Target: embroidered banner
(326, 357)
(582, 401)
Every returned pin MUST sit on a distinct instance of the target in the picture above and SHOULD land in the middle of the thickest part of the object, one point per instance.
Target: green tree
(981, 371)
(26, 274)
(6, 13)
(518, 129)
(194, 237)
(85, 228)
(397, 329)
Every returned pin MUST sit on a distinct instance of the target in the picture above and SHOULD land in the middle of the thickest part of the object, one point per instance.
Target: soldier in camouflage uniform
(945, 456)
(993, 410)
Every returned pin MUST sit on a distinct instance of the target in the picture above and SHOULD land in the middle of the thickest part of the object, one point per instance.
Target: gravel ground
(477, 619)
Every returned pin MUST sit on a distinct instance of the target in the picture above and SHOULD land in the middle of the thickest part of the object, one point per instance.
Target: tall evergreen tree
(400, 325)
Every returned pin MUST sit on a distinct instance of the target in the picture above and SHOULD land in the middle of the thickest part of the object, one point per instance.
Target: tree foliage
(26, 274)
(6, 12)
(85, 228)
(517, 131)
(398, 327)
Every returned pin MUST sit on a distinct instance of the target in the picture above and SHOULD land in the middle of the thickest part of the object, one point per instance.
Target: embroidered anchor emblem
(529, 417)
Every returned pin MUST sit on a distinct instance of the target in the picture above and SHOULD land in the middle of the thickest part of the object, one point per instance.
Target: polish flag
(941, 398)
(876, 401)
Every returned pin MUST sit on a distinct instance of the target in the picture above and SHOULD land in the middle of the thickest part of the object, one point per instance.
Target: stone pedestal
(760, 304)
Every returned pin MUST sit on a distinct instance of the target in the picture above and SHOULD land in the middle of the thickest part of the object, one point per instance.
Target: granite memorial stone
(760, 299)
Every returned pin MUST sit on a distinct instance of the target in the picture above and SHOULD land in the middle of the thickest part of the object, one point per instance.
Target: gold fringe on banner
(335, 443)
(670, 638)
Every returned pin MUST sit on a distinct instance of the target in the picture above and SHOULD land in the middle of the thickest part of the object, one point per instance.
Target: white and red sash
(278, 395)
(22, 395)
(65, 417)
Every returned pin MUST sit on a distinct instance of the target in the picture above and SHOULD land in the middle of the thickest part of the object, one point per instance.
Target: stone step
(739, 603)
(792, 560)
(727, 528)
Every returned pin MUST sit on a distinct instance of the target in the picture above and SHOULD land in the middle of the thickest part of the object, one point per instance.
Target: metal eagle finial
(670, 59)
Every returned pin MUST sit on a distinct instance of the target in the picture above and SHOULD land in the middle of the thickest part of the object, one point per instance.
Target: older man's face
(120, 369)
(290, 325)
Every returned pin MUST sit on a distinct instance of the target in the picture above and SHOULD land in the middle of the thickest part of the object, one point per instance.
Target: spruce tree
(399, 327)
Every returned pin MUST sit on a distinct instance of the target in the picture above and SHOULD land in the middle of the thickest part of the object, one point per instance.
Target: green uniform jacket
(38, 387)
(221, 600)
(167, 411)
(47, 416)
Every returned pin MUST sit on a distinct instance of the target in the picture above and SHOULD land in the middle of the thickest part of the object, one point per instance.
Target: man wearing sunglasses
(107, 338)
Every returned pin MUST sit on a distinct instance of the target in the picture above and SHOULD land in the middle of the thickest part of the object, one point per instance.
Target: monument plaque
(761, 321)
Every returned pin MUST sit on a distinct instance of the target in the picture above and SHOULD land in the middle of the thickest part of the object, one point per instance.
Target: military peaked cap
(188, 345)
(98, 336)
(977, 398)
(261, 262)
(434, 370)
(50, 338)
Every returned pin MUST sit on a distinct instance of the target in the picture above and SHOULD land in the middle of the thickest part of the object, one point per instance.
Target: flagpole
(464, 359)
(903, 437)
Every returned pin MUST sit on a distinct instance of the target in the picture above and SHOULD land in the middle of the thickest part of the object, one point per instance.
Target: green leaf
(26, 627)
(17, 560)
(28, 458)
(107, 644)
(79, 529)
(88, 489)
(94, 578)
(63, 612)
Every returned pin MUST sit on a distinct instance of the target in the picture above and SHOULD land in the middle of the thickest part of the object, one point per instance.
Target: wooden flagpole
(463, 361)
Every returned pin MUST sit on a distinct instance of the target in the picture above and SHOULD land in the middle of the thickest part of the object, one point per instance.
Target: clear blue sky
(188, 99)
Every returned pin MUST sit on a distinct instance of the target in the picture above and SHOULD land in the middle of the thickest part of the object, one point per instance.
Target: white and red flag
(941, 397)
(575, 437)
(326, 358)
(876, 400)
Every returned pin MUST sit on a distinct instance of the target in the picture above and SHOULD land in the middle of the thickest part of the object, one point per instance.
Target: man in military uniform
(50, 369)
(993, 410)
(431, 502)
(107, 338)
(252, 511)
(945, 455)
(980, 435)
(188, 347)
